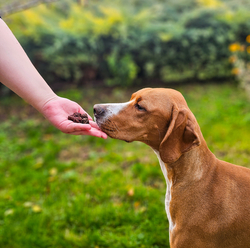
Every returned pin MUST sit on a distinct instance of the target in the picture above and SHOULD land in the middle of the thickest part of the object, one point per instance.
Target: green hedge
(131, 42)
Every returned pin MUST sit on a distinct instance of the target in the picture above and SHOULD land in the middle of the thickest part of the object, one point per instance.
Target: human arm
(19, 74)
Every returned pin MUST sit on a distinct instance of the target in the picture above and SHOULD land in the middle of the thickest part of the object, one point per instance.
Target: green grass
(58, 190)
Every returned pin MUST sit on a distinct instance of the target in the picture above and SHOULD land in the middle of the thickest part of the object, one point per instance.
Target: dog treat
(79, 118)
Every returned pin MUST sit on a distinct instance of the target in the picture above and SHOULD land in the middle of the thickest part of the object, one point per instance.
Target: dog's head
(158, 117)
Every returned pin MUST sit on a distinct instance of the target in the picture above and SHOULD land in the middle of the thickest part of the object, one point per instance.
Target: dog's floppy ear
(180, 136)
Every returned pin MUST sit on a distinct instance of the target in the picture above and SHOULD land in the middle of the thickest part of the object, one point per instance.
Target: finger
(72, 127)
(94, 125)
(95, 133)
(104, 136)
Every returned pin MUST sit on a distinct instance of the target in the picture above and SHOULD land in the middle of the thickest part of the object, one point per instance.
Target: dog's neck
(191, 166)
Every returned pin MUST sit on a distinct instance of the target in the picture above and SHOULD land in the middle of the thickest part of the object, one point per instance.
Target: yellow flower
(248, 49)
(234, 47)
(53, 171)
(165, 36)
(210, 3)
(235, 71)
(248, 38)
(36, 209)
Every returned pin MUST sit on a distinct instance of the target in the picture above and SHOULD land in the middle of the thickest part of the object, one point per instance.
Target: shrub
(241, 62)
(120, 43)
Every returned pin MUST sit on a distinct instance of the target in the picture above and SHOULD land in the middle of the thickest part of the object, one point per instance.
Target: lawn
(63, 191)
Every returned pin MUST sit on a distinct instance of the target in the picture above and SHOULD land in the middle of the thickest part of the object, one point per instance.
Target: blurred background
(133, 42)
(67, 191)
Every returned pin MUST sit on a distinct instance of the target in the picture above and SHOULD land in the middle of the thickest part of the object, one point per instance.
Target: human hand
(57, 110)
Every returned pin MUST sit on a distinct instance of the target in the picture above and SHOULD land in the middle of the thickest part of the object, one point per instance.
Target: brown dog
(207, 200)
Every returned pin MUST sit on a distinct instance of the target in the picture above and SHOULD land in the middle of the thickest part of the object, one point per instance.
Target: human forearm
(18, 73)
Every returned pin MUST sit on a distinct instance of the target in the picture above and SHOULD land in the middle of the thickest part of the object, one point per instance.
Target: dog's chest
(168, 192)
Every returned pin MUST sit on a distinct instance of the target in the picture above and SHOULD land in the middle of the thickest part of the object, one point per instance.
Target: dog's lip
(97, 122)
(107, 130)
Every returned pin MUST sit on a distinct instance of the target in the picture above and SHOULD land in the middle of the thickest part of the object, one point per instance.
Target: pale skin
(19, 74)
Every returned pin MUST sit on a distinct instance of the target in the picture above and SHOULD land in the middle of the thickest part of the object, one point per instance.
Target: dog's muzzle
(99, 111)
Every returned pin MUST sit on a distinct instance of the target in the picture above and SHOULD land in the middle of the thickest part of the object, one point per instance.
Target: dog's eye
(139, 107)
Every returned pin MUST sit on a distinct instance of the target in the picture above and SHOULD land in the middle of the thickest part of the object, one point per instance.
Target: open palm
(57, 111)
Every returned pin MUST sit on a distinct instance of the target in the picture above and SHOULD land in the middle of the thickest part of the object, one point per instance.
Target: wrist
(40, 104)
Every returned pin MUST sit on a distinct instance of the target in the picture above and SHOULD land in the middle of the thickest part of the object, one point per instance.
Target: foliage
(13, 6)
(241, 61)
(138, 40)
(62, 191)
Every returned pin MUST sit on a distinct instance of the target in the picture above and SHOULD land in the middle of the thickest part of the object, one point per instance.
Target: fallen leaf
(131, 192)
(8, 212)
(28, 204)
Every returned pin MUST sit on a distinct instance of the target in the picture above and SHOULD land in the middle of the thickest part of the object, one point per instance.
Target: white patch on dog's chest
(168, 192)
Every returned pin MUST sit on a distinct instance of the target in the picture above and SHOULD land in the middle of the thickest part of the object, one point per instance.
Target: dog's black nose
(98, 110)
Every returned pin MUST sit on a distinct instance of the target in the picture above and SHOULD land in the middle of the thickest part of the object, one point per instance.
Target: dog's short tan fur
(208, 200)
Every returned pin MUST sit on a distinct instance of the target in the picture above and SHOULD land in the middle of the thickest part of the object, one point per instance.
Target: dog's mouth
(106, 126)
(107, 129)
(110, 128)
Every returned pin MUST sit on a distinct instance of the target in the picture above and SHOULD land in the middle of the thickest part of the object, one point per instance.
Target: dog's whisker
(110, 126)
(117, 129)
